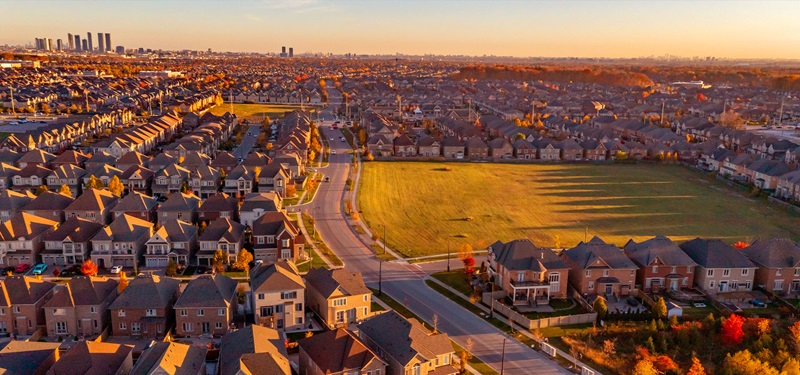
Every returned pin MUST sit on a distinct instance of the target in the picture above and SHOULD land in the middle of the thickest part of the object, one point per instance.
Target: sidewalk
(311, 241)
(517, 327)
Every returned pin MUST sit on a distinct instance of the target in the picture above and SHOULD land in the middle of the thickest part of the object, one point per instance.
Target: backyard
(556, 205)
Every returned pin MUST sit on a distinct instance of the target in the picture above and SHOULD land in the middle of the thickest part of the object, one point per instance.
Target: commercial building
(89, 42)
(108, 42)
(100, 43)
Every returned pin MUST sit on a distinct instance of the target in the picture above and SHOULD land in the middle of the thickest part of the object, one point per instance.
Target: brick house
(49, 205)
(144, 308)
(598, 268)
(278, 295)
(138, 205)
(254, 350)
(21, 305)
(662, 264)
(21, 238)
(275, 237)
(94, 205)
(138, 178)
(337, 296)
(69, 244)
(778, 262)
(219, 205)
(338, 352)
(256, 204)
(720, 267)
(206, 306)
(80, 307)
(529, 274)
(179, 206)
(221, 234)
(419, 352)
(121, 243)
(176, 240)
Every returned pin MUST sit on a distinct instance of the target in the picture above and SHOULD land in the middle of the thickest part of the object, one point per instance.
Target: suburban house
(171, 358)
(169, 180)
(337, 296)
(662, 265)
(240, 181)
(278, 295)
(778, 262)
(68, 175)
(720, 267)
(21, 304)
(418, 352)
(254, 350)
(221, 234)
(598, 268)
(49, 205)
(338, 352)
(274, 177)
(206, 306)
(80, 307)
(121, 243)
(12, 202)
(137, 205)
(144, 308)
(527, 273)
(69, 244)
(91, 357)
(138, 178)
(256, 204)
(179, 206)
(28, 357)
(94, 205)
(219, 205)
(21, 238)
(276, 237)
(176, 240)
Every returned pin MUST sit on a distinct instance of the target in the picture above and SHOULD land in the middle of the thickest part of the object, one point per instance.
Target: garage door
(157, 262)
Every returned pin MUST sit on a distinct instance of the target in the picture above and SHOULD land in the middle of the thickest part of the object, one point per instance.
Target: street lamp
(384, 239)
(380, 277)
(503, 356)
(448, 255)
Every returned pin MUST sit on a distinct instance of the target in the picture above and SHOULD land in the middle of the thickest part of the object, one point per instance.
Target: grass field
(424, 205)
(256, 112)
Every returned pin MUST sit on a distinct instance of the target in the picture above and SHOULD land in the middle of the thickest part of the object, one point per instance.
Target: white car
(116, 269)
(333, 152)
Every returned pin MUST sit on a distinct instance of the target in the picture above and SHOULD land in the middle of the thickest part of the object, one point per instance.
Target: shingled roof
(774, 253)
(212, 291)
(326, 282)
(523, 255)
(237, 348)
(713, 253)
(147, 291)
(338, 351)
(658, 247)
(405, 339)
(586, 255)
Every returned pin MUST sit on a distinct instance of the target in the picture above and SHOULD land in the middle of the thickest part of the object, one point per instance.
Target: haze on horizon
(729, 29)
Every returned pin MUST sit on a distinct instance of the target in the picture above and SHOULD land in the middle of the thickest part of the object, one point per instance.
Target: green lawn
(256, 112)
(425, 204)
(456, 279)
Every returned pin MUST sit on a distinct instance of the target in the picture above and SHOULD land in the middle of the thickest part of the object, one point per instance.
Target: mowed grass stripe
(424, 205)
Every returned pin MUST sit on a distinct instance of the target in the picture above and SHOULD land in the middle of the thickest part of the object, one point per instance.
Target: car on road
(327, 179)
(333, 152)
(116, 269)
(331, 138)
(39, 269)
(758, 303)
(22, 267)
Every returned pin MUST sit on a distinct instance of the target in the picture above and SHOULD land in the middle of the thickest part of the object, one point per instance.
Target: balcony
(528, 283)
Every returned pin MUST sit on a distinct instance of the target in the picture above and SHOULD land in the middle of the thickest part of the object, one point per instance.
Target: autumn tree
(115, 186)
(243, 259)
(744, 363)
(88, 268)
(740, 245)
(644, 367)
(697, 368)
(172, 268)
(291, 191)
(39, 190)
(660, 308)
(219, 260)
(467, 256)
(600, 307)
(791, 367)
(794, 331)
(94, 183)
(123, 282)
(732, 331)
(731, 119)
(64, 190)
(56, 271)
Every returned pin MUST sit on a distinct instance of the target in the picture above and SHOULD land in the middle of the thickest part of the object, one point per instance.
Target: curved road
(404, 282)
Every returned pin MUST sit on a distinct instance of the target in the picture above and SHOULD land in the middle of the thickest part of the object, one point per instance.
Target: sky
(522, 28)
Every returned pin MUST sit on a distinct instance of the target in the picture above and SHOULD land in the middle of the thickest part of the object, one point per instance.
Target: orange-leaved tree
(88, 268)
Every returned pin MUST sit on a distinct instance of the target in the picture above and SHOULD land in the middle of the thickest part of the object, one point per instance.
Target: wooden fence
(535, 323)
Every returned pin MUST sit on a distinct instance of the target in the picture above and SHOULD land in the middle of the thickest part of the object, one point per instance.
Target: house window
(59, 312)
(260, 296)
(726, 272)
(298, 321)
(221, 312)
(366, 297)
(591, 285)
(61, 327)
(747, 285)
(123, 326)
(188, 327)
(521, 277)
(270, 239)
(16, 310)
(288, 295)
(183, 312)
(340, 302)
(200, 312)
(298, 307)
(777, 272)
(93, 309)
(260, 239)
(710, 273)
(778, 285)
(121, 313)
(150, 312)
(340, 316)
(797, 271)
(711, 284)
(655, 269)
(266, 311)
(284, 243)
(605, 273)
(689, 269)
(588, 273)
(135, 327)
(746, 272)
(278, 309)
(218, 325)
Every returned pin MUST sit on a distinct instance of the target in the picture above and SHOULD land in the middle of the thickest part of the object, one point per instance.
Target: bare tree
(435, 323)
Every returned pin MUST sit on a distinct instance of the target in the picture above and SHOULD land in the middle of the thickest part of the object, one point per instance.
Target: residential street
(404, 282)
(248, 141)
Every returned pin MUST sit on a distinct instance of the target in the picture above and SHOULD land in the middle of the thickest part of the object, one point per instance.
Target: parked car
(333, 152)
(327, 179)
(758, 303)
(22, 267)
(39, 269)
(116, 269)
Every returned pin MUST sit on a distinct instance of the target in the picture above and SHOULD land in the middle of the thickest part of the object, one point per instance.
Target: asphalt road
(248, 141)
(404, 282)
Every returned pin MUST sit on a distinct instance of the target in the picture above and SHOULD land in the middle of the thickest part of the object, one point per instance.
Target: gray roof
(280, 275)
(146, 291)
(774, 253)
(221, 228)
(327, 281)
(404, 339)
(249, 340)
(125, 228)
(25, 357)
(83, 291)
(134, 202)
(715, 254)
(212, 291)
(659, 247)
(586, 255)
(171, 358)
(180, 202)
(523, 255)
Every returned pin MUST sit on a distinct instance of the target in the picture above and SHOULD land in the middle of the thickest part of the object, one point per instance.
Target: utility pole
(11, 93)
(448, 255)
(380, 277)
(663, 102)
(384, 239)
(503, 356)
(86, 95)
(230, 100)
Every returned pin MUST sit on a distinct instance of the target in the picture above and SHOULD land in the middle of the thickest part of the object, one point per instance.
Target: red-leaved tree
(732, 330)
(469, 265)
(88, 268)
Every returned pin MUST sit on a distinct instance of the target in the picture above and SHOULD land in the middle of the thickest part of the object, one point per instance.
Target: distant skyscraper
(89, 43)
(70, 42)
(108, 42)
(120, 49)
(77, 42)
(84, 46)
(49, 44)
(100, 43)
(59, 45)
(291, 52)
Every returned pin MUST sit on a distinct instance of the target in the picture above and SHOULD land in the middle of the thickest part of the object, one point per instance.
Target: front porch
(529, 293)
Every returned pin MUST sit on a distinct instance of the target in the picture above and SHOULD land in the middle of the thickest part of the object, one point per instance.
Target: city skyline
(611, 29)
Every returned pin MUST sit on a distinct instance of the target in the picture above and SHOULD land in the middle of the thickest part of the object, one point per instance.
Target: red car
(22, 267)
